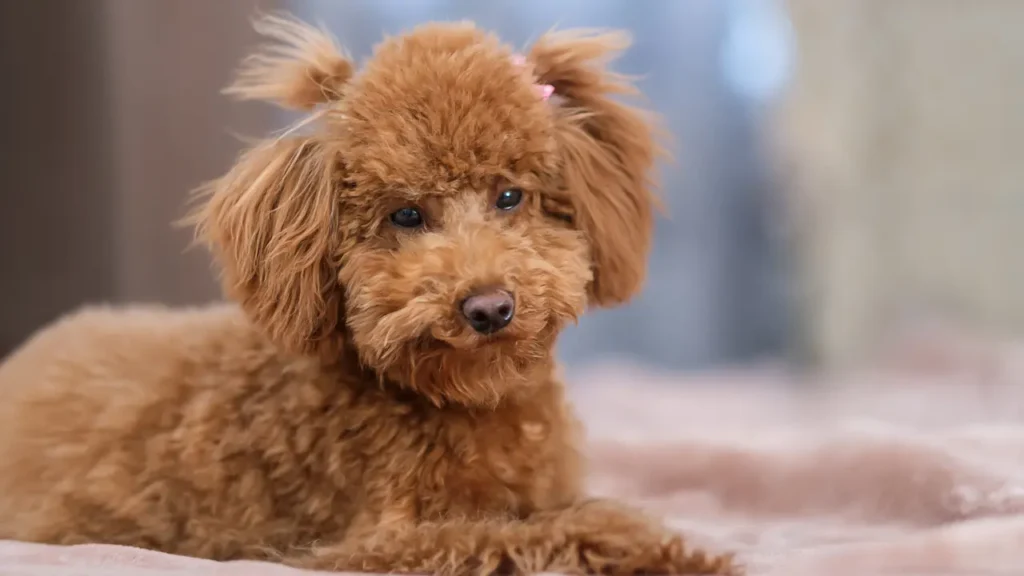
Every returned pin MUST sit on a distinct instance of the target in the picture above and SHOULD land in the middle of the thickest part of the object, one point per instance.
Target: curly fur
(339, 414)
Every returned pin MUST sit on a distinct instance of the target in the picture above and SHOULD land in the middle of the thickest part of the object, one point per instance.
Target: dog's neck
(539, 379)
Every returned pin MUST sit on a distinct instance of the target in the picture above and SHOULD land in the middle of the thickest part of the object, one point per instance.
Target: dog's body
(384, 395)
(230, 445)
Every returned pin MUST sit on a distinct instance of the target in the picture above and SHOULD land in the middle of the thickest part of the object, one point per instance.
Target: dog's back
(121, 426)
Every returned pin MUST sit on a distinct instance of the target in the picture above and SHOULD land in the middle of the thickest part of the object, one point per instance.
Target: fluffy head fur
(442, 120)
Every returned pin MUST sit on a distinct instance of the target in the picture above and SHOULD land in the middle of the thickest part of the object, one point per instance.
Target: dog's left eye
(407, 218)
(509, 199)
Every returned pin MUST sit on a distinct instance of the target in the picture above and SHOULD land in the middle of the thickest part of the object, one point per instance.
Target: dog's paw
(595, 537)
(603, 537)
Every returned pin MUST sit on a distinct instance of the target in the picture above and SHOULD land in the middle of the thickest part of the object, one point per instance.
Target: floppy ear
(271, 224)
(608, 150)
(271, 221)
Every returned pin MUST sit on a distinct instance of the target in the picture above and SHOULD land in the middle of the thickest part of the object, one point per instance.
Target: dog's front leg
(596, 536)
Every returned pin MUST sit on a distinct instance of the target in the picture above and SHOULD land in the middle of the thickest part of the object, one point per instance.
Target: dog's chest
(513, 462)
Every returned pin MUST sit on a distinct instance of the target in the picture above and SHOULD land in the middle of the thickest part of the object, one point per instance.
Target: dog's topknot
(304, 68)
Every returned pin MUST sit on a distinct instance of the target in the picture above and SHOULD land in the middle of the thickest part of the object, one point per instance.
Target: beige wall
(172, 129)
(111, 114)
(903, 142)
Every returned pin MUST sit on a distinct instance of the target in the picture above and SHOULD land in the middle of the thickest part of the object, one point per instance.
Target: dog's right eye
(407, 218)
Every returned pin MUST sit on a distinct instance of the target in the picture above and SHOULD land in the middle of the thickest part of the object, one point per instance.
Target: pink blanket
(887, 474)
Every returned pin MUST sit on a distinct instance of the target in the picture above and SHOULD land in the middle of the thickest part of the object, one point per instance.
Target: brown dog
(385, 394)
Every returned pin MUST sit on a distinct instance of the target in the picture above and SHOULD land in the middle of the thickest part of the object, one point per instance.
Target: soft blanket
(901, 472)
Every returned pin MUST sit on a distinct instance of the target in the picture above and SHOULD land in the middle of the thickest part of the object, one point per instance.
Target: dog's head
(445, 218)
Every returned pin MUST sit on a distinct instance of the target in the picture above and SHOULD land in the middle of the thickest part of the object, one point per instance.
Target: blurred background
(846, 172)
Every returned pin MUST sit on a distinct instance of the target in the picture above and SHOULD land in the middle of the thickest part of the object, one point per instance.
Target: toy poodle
(381, 392)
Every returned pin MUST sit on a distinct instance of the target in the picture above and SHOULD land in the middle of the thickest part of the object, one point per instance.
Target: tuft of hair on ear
(270, 222)
(608, 151)
(303, 68)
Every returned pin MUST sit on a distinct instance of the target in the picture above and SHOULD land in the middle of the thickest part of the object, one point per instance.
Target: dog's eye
(407, 218)
(509, 199)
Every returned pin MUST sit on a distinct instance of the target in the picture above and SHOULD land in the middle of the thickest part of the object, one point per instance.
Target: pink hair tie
(545, 90)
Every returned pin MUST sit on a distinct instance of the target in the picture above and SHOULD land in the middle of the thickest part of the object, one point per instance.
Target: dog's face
(446, 219)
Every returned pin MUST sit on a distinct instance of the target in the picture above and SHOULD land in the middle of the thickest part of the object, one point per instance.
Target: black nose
(490, 311)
